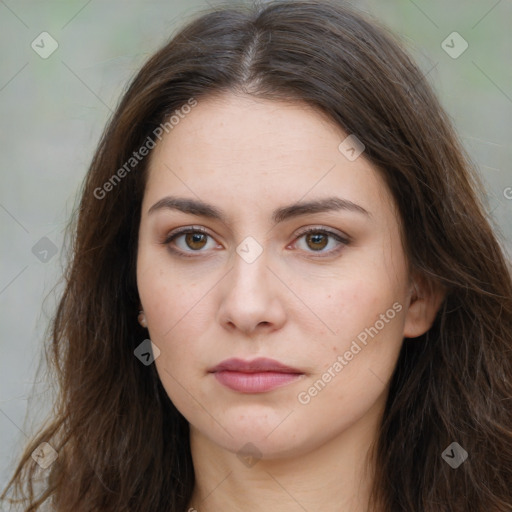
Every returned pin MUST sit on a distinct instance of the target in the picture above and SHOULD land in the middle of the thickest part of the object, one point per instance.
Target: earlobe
(142, 319)
(425, 300)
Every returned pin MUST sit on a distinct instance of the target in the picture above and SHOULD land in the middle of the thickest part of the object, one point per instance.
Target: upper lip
(261, 364)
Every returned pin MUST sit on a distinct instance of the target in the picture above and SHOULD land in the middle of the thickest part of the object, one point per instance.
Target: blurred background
(64, 66)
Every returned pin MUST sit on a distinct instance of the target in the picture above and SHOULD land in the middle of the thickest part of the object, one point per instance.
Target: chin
(265, 438)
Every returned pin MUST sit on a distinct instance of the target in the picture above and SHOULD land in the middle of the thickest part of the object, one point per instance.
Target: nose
(252, 298)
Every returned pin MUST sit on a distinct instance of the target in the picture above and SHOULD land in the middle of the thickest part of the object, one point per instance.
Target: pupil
(194, 238)
(317, 239)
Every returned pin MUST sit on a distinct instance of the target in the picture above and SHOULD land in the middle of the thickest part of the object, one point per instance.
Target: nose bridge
(250, 265)
(249, 297)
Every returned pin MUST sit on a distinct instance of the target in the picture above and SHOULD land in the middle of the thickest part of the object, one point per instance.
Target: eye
(316, 240)
(189, 240)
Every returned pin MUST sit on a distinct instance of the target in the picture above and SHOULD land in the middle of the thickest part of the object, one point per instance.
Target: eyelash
(191, 230)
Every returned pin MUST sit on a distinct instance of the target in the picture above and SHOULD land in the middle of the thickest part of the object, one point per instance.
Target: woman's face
(331, 306)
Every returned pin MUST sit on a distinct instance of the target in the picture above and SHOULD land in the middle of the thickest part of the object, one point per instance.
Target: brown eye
(317, 241)
(321, 241)
(195, 241)
(188, 241)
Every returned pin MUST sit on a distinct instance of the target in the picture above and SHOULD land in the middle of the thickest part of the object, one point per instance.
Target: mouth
(256, 376)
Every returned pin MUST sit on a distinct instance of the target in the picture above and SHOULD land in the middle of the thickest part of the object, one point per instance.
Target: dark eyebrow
(202, 209)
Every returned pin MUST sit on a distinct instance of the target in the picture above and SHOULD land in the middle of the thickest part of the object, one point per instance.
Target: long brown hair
(121, 443)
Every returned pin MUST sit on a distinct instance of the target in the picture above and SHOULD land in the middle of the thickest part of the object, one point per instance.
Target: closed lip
(261, 364)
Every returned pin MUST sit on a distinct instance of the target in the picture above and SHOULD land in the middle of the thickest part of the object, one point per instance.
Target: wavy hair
(122, 445)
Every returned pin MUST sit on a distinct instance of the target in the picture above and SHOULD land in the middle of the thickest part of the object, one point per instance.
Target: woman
(284, 291)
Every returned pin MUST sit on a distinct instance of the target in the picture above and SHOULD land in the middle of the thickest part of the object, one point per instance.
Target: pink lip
(262, 364)
(256, 376)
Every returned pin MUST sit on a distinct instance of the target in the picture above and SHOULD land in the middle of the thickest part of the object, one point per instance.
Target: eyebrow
(202, 209)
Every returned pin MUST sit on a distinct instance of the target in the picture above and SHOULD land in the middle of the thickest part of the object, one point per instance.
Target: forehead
(258, 150)
(232, 126)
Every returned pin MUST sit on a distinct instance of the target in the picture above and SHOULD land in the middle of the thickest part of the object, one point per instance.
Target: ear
(425, 299)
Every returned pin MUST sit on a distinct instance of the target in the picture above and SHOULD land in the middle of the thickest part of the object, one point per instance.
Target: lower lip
(255, 382)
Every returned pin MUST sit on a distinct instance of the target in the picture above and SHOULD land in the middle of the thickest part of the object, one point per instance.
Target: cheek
(365, 316)
(346, 304)
(167, 295)
(353, 369)
(175, 305)
(174, 313)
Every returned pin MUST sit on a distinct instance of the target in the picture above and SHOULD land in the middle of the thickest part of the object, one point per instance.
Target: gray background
(52, 112)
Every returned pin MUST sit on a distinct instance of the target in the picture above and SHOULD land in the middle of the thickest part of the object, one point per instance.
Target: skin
(299, 306)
